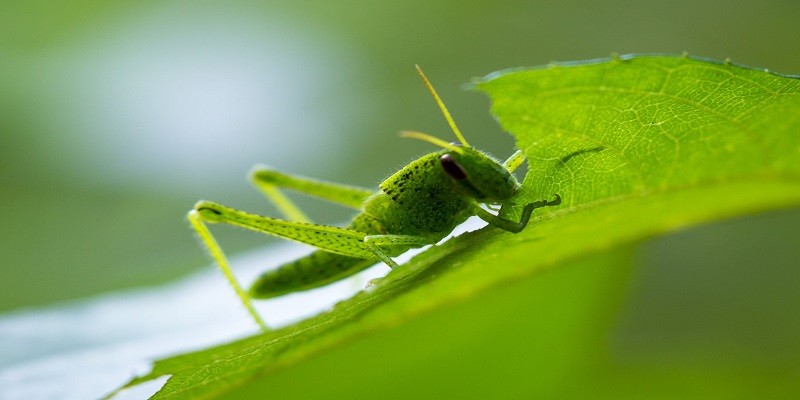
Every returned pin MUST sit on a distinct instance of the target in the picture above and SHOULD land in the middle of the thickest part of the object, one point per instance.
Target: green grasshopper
(418, 205)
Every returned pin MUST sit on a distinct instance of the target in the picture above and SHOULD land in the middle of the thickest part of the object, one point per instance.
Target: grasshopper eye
(452, 168)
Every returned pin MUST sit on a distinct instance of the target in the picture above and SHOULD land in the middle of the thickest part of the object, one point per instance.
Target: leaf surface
(637, 147)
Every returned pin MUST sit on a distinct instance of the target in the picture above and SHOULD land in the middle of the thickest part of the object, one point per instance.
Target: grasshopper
(418, 205)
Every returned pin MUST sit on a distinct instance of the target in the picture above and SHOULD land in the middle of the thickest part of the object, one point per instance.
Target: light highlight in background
(174, 100)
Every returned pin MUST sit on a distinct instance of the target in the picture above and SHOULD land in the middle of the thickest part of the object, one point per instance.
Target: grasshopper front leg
(509, 225)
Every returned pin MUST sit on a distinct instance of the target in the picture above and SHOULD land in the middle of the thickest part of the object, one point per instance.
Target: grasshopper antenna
(432, 140)
(442, 107)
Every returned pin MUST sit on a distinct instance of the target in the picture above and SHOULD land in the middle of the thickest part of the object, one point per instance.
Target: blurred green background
(115, 117)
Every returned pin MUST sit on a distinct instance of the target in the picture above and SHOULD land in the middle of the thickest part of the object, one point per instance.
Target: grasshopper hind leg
(216, 253)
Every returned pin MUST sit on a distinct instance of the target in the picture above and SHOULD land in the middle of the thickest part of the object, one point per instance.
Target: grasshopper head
(477, 175)
(474, 173)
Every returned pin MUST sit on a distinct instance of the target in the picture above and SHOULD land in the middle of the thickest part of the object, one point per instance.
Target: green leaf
(639, 127)
(636, 147)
